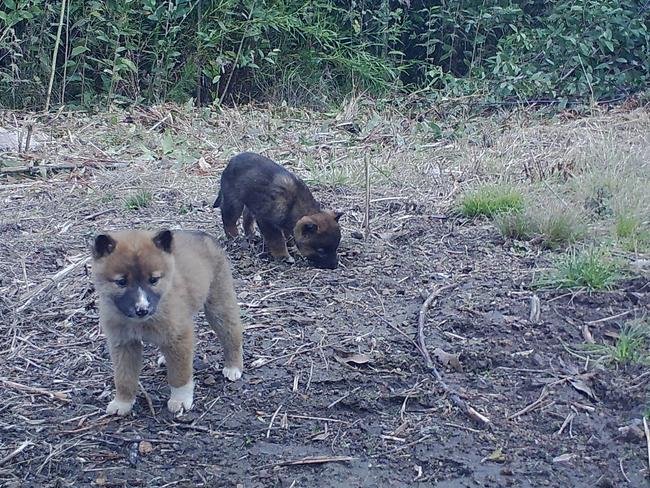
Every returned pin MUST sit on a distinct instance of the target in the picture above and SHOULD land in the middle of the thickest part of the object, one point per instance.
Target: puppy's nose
(141, 312)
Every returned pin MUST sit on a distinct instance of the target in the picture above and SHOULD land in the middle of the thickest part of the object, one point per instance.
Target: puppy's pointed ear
(163, 240)
(338, 215)
(103, 246)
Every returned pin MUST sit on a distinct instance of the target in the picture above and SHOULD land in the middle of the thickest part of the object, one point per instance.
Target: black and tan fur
(150, 285)
(282, 206)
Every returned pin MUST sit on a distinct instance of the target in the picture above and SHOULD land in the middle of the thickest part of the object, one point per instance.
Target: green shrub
(313, 51)
(588, 48)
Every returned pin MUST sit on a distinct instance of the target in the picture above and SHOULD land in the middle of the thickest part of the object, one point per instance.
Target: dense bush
(315, 51)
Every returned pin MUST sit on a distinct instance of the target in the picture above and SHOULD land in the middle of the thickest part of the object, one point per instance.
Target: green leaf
(78, 50)
(129, 64)
(167, 143)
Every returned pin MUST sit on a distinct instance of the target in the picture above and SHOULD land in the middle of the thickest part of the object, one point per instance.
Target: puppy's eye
(154, 280)
(122, 282)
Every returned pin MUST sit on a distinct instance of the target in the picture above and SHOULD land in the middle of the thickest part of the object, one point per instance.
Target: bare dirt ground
(335, 391)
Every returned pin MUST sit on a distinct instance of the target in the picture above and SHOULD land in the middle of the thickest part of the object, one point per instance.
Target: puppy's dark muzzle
(324, 263)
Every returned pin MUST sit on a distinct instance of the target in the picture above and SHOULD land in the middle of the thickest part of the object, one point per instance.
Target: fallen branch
(37, 391)
(428, 362)
(451, 393)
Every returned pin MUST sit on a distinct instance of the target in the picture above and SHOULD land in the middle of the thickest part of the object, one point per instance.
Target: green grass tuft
(589, 268)
(139, 200)
(558, 225)
(491, 200)
(626, 226)
(631, 347)
(514, 225)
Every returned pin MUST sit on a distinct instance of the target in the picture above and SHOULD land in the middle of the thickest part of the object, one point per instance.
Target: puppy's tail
(217, 202)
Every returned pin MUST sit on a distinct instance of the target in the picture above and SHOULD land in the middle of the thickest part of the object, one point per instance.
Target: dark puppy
(282, 205)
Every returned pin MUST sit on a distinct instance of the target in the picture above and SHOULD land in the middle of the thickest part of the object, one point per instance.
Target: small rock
(209, 380)
(145, 447)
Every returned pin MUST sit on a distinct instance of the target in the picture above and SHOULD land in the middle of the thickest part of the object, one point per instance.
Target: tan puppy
(150, 285)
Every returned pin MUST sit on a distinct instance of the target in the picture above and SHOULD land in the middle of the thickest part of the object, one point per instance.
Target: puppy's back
(199, 261)
(248, 165)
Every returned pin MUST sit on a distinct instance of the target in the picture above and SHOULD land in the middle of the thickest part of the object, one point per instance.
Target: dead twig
(586, 335)
(535, 310)
(15, 452)
(53, 280)
(315, 460)
(99, 214)
(148, 399)
(37, 168)
(34, 390)
(620, 463)
(55, 52)
(428, 362)
(343, 397)
(366, 214)
(607, 319)
(453, 395)
(647, 437)
(567, 421)
(275, 414)
(532, 406)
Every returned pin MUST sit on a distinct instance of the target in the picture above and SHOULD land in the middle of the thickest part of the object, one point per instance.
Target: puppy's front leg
(127, 364)
(178, 355)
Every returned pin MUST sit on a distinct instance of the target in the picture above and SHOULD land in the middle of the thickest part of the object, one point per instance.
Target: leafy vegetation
(316, 51)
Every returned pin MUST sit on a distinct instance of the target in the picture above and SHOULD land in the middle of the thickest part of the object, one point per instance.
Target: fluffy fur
(283, 207)
(150, 285)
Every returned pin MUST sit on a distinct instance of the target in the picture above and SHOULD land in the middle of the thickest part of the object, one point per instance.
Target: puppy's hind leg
(127, 364)
(222, 312)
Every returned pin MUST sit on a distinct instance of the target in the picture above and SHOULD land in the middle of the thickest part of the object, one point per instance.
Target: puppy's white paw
(233, 373)
(161, 361)
(181, 398)
(119, 407)
(289, 260)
